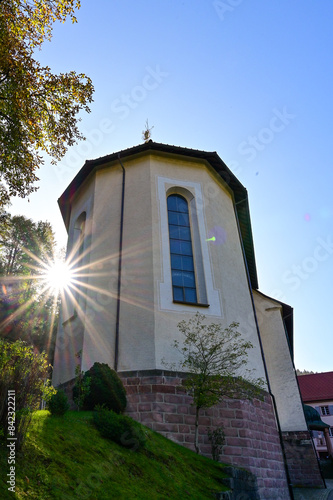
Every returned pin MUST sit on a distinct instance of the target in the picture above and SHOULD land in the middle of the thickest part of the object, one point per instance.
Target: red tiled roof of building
(316, 386)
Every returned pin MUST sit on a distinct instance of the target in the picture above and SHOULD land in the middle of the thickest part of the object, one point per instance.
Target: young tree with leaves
(212, 358)
(38, 109)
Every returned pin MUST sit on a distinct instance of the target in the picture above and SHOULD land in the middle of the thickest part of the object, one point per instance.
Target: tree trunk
(196, 434)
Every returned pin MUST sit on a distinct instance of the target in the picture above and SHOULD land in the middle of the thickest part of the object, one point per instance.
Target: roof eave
(239, 191)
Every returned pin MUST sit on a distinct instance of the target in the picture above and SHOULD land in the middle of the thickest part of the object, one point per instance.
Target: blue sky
(251, 80)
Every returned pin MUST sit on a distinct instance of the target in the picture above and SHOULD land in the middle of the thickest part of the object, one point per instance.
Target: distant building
(158, 232)
(317, 391)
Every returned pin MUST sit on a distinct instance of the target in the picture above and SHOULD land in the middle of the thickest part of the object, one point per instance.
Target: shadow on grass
(66, 458)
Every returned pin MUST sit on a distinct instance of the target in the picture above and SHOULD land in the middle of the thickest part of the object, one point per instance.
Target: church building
(155, 234)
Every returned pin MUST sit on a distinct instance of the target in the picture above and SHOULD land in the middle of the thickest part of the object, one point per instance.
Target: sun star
(58, 276)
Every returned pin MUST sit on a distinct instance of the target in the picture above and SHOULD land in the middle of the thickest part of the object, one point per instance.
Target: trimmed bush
(119, 428)
(106, 389)
(58, 404)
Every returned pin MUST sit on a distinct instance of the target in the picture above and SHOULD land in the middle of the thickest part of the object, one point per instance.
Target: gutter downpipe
(263, 356)
(116, 348)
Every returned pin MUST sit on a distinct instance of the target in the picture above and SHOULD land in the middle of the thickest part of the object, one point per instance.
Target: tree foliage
(216, 437)
(304, 372)
(105, 388)
(24, 372)
(38, 109)
(58, 404)
(24, 244)
(81, 389)
(27, 310)
(214, 360)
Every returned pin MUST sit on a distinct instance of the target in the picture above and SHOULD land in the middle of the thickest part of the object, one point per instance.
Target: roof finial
(146, 133)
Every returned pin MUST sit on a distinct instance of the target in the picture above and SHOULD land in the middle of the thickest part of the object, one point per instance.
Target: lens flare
(58, 276)
(217, 235)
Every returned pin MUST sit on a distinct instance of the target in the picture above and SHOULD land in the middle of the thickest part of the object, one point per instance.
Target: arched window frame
(194, 193)
(183, 277)
(198, 268)
(79, 234)
(74, 301)
(79, 254)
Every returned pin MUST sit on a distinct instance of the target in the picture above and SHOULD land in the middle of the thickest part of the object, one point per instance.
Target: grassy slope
(66, 458)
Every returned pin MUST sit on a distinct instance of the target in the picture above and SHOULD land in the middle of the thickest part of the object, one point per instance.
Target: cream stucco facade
(281, 371)
(148, 315)
(140, 322)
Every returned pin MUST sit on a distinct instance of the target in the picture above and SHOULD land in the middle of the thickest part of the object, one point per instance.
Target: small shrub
(119, 428)
(217, 440)
(58, 404)
(106, 389)
(82, 384)
(23, 372)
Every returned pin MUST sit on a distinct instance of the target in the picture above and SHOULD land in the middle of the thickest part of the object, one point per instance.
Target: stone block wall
(301, 457)
(68, 387)
(156, 399)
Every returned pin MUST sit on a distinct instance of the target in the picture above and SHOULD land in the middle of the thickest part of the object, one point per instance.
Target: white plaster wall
(148, 316)
(279, 364)
(226, 280)
(103, 269)
(136, 339)
(73, 305)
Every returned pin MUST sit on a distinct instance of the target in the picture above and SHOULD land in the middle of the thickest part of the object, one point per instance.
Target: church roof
(239, 191)
(316, 386)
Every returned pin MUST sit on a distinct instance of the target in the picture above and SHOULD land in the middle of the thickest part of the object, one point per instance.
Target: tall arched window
(79, 235)
(181, 252)
(79, 257)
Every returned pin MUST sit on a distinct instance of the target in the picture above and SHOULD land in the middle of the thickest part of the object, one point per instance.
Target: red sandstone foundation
(157, 400)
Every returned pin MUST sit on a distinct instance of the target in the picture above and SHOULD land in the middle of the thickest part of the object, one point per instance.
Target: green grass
(65, 457)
